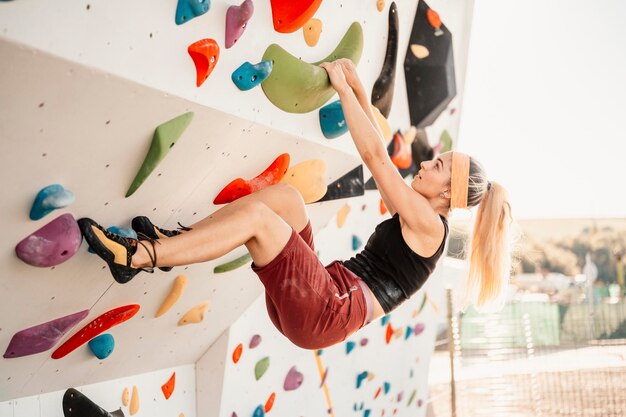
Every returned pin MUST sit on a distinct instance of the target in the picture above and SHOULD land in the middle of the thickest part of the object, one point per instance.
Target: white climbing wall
(82, 87)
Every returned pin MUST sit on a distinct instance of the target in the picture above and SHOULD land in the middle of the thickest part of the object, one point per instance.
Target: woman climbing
(313, 305)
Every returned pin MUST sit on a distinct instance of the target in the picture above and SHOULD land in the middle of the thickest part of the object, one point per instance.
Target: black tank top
(389, 267)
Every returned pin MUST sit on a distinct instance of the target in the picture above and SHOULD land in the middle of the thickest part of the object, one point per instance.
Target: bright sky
(544, 106)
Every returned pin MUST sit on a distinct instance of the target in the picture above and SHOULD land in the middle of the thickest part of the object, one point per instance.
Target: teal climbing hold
(259, 412)
(50, 198)
(408, 332)
(386, 387)
(188, 9)
(320, 351)
(120, 231)
(349, 347)
(356, 242)
(360, 377)
(102, 346)
(367, 412)
(332, 120)
(385, 320)
(248, 76)
(165, 136)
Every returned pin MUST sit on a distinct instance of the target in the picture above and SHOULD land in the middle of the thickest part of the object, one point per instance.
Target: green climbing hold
(165, 136)
(261, 367)
(234, 264)
(446, 140)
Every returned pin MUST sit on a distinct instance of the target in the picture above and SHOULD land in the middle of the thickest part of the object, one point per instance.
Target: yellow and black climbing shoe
(143, 226)
(115, 250)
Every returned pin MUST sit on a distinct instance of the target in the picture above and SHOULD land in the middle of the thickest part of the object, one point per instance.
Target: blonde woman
(313, 305)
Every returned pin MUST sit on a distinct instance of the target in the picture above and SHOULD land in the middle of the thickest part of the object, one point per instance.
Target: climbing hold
(120, 231)
(446, 140)
(204, 54)
(76, 404)
(380, 5)
(248, 76)
(378, 392)
(397, 333)
(382, 92)
(312, 31)
(388, 333)
(165, 136)
(237, 20)
(420, 51)
(430, 82)
(418, 329)
(261, 367)
(232, 265)
(385, 319)
(359, 378)
(324, 377)
(195, 315)
(367, 412)
(180, 283)
(52, 244)
(43, 336)
(240, 187)
(364, 341)
(332, 121)
(411, 397)
(349, 347)
(134, 401)
(402, 155)
(270, 402)
(255, 341)
(102, 346)
(356, 242)
(383, 124)
(293, 380)
(97, 326)
(289, 16)
(259, 412)
(319, 351)
(382, 208)
(125, 397)
(188, 9)
(296, 86)
(237, 353)
(309, 178)
(168, 387)
(342, 215)
(50, 198)
(348, 185)
(400, 396)
(408, 332)
(420, 402)
(387, 387)
(370, 376)
(421, 307)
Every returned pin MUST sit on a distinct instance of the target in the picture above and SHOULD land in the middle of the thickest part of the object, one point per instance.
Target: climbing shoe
(115, 250)
(143, 226)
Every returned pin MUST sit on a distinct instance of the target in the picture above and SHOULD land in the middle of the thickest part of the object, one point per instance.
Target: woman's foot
(143, 226)
(115, 250)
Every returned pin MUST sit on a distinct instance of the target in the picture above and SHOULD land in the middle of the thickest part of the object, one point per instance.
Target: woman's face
(433, 178)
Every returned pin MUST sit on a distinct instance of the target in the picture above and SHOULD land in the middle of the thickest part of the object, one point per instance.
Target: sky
(544, 107)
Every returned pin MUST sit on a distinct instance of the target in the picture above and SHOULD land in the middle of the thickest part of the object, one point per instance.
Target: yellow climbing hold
(342, 215)
(180, 283)
(409, 135)
(380, 5)
(308, 177)
(125, 397)
(312, 31)
(370, 376)
(420, 51)
(134, 401)
(195, 315)
(383, 124)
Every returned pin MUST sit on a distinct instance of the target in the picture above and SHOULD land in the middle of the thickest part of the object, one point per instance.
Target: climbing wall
(84, 85)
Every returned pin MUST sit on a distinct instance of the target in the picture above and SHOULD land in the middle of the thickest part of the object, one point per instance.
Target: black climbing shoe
(105, 244)
(143, 226)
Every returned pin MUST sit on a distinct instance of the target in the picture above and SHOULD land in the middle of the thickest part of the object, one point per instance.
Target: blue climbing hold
(360, 377)
(385, 320)
(102, 346)
(408, 333)
(188, 9)
(248, 76)
(350, 346)
(332, 120)
(120, 231)
(259, 412)
(356, 242)
(367, 412)
(320, 351)
(386, 387)
(50, 198)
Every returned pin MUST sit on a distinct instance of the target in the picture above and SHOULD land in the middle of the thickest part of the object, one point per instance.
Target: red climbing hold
(389, 333)
(168, 387)
(378, 392)
(237, 353)
(205, 54)
(402, 155)
(291, 15)
(99, 325)
(270, 402)
(433, 18)
(240, 187)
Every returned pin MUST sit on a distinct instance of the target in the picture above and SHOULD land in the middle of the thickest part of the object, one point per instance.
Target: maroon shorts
(312, 305)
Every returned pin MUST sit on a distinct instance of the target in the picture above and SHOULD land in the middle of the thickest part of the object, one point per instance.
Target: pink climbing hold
(293, 380)
(51, 245)
(237, 20)
(43, 336)
(418, 329)
(255, 341)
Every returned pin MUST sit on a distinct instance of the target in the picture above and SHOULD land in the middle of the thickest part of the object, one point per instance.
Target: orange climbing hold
(205, 54)
(237, 353)
(378, 392)
(389, 333)
(168, 387)
(433, 18)
(312, 31)
(270, 402)
(382, 207)
(289, 15)
(402, 155)
(240, 187)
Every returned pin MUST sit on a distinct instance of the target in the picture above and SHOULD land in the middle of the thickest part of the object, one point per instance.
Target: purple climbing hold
(51, 245)
(255, 341)
(418, 329)
(237, 20)
(364, 341)
(43, 336)
(420, 402)
(400, 396)
(293, 380)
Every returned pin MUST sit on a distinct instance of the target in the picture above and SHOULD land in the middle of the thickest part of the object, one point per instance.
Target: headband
(459, 180)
